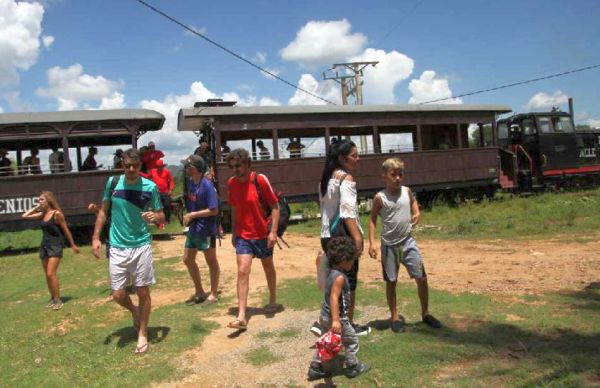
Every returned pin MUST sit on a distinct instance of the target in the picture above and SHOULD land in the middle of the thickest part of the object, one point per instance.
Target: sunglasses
(134, 165)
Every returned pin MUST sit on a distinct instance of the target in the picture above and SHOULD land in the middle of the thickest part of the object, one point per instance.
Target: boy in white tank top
(399, 212)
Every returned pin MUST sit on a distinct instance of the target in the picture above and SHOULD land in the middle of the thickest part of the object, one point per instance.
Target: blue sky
(68, 54)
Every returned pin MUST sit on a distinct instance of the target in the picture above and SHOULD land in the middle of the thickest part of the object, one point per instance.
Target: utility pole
(351, 85)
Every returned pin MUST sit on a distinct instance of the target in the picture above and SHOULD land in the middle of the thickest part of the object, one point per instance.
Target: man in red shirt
(151, 156)
(164, 181)
(251, 235)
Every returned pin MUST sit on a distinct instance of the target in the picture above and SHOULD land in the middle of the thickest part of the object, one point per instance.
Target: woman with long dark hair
(54, 229)
(339, 209)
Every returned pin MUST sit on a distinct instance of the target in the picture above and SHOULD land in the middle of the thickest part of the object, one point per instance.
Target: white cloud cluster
(543, 100)
(329, 90)
(74, 89)
(323, 43)
(428, 87)
(47, 40)
(20, 29)
(380, 81)
(177, 145)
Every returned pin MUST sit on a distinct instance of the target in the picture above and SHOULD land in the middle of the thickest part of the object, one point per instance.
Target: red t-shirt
(163, 179)
(250, 223)
(150, 158)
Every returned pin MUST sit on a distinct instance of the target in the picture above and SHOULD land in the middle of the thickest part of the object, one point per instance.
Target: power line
(231, 52)
(402, 19)
(514, 84)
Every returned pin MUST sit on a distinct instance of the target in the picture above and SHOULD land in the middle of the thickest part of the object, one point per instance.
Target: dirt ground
(500, 268)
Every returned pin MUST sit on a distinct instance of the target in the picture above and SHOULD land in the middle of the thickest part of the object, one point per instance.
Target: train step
(506, 182)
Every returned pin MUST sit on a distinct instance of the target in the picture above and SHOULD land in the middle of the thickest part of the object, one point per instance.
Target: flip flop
(237, 324)
(195, 299)
(142, 349)
(273, 308)
(210, 301)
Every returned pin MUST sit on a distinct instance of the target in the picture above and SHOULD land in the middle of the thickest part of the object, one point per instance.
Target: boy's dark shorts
(256, 248)
(47, 251)
(352, 274)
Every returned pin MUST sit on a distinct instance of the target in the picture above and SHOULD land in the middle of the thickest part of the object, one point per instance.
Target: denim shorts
(256, 248)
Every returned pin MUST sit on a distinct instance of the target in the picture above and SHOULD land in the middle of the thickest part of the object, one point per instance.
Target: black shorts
(352, 274)
(47, 251)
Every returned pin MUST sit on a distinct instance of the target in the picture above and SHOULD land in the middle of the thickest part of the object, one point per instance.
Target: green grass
(90, 341)
(547, 340)
(574, 214)
(261, 356)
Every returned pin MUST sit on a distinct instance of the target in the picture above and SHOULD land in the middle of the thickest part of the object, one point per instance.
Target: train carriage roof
(84, 127)
(193, 119)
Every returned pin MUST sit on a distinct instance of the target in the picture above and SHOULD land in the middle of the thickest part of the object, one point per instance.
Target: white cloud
(594, 123)
(326, 89)
(323, 43)
(272, 71)
(1, 110)
(177, 145)
(428, 88)
(543, 100)
(380, 81)
(260, 58)
(47, 40)
(72, 87)
(200, 30)
(20, 29)
(116, 101)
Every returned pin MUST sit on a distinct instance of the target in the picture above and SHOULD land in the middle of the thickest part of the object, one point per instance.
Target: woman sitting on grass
(54, 228)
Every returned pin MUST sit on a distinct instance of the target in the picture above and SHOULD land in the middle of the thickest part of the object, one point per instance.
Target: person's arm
(414, 209)
(171, 183)
(156, 213)
(373, 224)
(233, 227)
(60, 220)
(33, 214)
(100, 221)
(189, 217)
(272, 238)
(334, 304)
(348, 203)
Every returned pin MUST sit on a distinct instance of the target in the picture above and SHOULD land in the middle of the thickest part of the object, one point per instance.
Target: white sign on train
(17, 205)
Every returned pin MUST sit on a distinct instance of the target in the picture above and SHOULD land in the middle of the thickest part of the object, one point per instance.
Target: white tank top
(395, 216)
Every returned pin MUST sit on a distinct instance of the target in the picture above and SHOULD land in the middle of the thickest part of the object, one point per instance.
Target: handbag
(337, 227)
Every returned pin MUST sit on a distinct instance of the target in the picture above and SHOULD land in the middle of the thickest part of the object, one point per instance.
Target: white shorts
(130, 264)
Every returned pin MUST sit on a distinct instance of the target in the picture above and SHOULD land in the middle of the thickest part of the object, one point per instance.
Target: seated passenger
(225, 150)
(118, 159)
(295, 148)
(264, 151)
(31, 164)
(5, 169)
(56, 161)
(90, 162)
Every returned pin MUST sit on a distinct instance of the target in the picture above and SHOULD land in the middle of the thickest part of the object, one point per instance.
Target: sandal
(195, 299)
(238, 324)
(273, 308)
(432, 321)
(142, 349)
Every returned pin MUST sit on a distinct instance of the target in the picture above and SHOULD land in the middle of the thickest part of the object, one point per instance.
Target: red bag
(329, 345)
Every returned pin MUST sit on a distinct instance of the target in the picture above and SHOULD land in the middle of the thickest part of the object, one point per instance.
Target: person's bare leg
(189, 259)
(271, 276)
(390, 293)
(144, 314)
(423, 291)
(210, 255)
(123, 299)
(244, 263)
(50, 266)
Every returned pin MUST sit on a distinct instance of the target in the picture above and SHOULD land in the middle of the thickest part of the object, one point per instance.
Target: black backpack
(284, 210)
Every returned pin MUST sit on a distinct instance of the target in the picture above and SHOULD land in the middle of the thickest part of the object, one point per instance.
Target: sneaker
(316, 329)
(432, 321)
(398, 326)
(57, 305)
(353, 371)
(316, 372)
(361, 329)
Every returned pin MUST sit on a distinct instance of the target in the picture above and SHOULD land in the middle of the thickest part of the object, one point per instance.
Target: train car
(66, 131)
(433, 140)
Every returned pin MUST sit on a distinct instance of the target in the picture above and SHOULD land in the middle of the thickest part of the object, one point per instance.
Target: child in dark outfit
(341, 252)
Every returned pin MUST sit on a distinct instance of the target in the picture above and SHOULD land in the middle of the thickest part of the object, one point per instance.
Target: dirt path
(498, 267)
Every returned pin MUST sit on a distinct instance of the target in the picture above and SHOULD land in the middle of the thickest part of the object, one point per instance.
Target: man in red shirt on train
(251, 235)
(163, 179)
(151, 156)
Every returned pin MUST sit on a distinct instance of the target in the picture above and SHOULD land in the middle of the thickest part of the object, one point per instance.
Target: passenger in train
(5, 163)
(203, 150)
(202, 205)
(118, 159)
(399, 211)
(339, 213)
(56, 161)
(132, 203)
(151, 156)
(295, 148)
(54, 230)
(251, 235)
(165, 183)
(90, 161)
(31, 164)
(263, 151)
(225, 150)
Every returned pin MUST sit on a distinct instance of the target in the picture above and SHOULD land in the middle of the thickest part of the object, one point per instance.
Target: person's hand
(149, 216)
(336, 327)
(372, 252)
(358, 243)
(187, 218)
(96, 247)
(414, 220)
(75, 249)
(271, 239)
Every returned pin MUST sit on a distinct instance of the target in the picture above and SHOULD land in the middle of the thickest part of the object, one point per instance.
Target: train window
(529, 127)
(545, 124)
(502, 131)
(562, 124)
